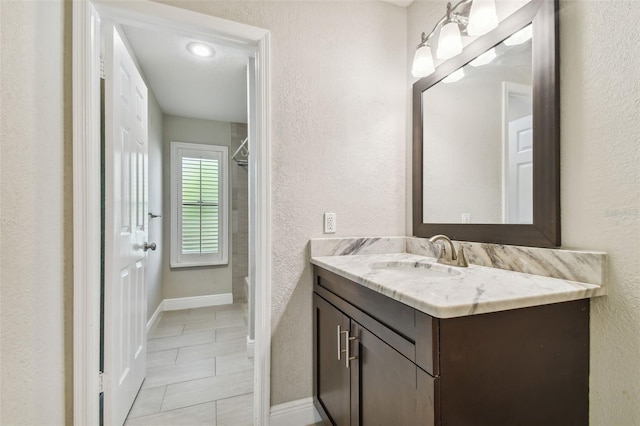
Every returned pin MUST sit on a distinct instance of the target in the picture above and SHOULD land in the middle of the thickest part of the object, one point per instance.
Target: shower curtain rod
(243, 150)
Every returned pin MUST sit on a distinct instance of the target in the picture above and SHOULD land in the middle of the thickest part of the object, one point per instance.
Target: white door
(520, 171)
(125, 315)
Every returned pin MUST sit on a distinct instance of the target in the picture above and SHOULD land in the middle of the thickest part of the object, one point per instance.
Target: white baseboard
(295, 413)
(251, 345)
(197, 301)
(156, 316)
(188, 303)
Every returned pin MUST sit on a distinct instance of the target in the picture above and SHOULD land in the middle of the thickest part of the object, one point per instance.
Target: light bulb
(422, 62)
(484, 59)
(520, 37)
(482, 17)
(450, 42)
(200, 49)
(454, 76)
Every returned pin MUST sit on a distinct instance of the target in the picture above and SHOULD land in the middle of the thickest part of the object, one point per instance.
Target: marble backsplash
(353, 246)
(582, 266)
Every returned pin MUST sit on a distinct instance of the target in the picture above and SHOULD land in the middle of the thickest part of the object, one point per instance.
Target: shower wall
(240, 216)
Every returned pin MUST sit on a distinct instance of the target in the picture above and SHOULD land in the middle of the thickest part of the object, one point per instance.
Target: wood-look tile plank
(231, 333)
(200, 414)
(160, 358)
(147, 402)
(173, 317)
(208, 389)
(165, 331)
(175, 373)
(183, 340)
(232, 363)
(210, 350)
(235, 411)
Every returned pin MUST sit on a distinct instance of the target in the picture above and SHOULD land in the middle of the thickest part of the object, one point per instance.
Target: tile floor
(198, 372)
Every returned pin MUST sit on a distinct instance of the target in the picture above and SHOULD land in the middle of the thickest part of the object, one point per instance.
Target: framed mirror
(486, 158)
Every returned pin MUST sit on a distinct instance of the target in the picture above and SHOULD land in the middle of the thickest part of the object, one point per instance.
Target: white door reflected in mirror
(474, 170)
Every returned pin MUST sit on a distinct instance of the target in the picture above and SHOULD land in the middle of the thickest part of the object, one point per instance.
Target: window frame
(178, 151)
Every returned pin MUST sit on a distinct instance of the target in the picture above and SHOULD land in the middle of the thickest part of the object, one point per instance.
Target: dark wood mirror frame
(545, 230)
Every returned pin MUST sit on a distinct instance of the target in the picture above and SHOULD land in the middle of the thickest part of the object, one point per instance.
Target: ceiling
(189, 86)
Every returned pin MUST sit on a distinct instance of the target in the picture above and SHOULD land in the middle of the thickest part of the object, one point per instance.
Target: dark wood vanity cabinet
(526, 366)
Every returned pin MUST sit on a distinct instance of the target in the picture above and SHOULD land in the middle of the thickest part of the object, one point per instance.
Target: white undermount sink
(423, 269)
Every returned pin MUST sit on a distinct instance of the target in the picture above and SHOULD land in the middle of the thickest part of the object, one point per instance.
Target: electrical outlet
(466, 218)
(329, 223)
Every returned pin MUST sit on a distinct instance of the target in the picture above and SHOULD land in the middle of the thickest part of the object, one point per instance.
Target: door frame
(87, 191)
(509, 89)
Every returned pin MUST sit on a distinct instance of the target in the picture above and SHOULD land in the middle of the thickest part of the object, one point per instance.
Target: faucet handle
(462, 259)
(443, 251)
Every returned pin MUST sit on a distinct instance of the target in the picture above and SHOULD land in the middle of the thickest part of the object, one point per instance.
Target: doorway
(86, 67)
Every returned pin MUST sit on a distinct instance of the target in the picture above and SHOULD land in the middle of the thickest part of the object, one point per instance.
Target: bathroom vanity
(401, 340)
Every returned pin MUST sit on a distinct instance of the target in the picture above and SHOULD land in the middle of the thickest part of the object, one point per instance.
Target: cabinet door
(387, 388)
(330, 375)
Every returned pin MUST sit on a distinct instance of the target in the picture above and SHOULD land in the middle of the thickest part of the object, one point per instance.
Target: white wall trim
(262, 215)
(188, 303)
(86, 213)
(295, 413)
(155, 317)
(197, 301)
(251, 347)
(86, 177)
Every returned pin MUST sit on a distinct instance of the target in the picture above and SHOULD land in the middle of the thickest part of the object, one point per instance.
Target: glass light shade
(482, 17)
(450, 42)
(454, 76)
(422, 62)
(484, 59)
(520, 37)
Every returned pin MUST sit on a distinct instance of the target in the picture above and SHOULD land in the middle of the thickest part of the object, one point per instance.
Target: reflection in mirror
(477, 139)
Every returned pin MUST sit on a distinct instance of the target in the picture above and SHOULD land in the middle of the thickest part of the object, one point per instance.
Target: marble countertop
(470, 291)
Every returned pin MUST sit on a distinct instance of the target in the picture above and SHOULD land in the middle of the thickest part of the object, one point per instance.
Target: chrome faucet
(453, 260)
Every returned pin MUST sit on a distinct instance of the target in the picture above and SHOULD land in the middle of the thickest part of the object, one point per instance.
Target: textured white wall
(202, 280)
(338, 144)
(600, 151)
(36, 209)
(154, 258)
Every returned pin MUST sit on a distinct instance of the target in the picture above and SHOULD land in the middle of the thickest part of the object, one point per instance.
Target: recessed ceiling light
(200, 49)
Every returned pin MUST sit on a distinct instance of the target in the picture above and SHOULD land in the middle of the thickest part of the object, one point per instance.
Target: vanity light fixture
(423, 60)
(454, 76)
(484, 59)
(520, 37)
(476, 20)
(200, 49)
(482, 17)
(450, 40)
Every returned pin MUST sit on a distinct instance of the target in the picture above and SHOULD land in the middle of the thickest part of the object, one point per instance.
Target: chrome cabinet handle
(339, 342)
(347, 351)
(148, 246)
(348, 356)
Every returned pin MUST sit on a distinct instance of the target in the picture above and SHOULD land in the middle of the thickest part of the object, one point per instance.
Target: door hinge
(101, 382)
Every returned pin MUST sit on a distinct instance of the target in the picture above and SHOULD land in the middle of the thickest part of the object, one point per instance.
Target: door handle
(339, 342)
(148, 246)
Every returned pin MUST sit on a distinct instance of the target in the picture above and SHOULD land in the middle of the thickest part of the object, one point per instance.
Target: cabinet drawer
(393, 314)
(410, 332)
